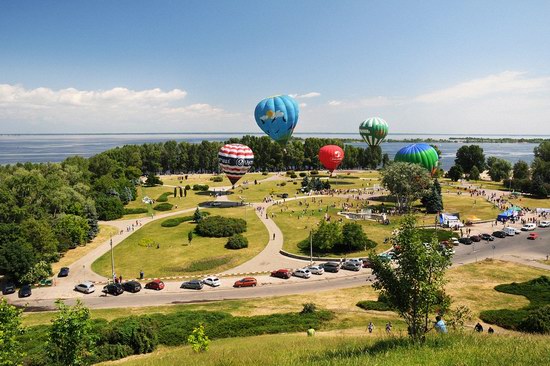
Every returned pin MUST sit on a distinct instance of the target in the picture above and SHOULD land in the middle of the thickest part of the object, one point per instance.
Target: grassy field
(257, 192)
(205, 179)
(175, 256)
(72, 255)
(532, 203)
(340, 348)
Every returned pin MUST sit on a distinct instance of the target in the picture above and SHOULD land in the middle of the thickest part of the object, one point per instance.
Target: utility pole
(112, 261)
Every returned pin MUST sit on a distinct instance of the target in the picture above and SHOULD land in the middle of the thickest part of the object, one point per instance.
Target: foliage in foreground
(10, 328)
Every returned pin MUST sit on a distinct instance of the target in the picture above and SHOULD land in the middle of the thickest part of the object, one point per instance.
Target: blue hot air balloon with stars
(277, 116)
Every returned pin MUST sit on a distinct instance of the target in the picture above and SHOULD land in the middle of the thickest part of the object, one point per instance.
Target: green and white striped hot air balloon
(373, 130)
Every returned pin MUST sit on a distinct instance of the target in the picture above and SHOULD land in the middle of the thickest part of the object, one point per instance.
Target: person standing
(370, 327)
(310, 332)
(388, 327)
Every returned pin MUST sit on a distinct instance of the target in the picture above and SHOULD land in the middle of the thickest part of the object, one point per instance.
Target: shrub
(200, 187)
(302, 174)
(293, 175)
(152, 180)
(175, 221)
(264, 173)
(111, 352)
(198, 340)
(314, 172)
(139, 333)
(217, 178)
(163, 207)
(290, 172)
(309, 308)
(164, 197)
(373, 305)
(187, 187)
(538, 321)
(137, 210)
(237, 241)
(505, 318)
(282, 184)
(218, 226)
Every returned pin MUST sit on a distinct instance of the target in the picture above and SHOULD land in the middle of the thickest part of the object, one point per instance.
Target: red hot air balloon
(235, 160)
(331, 156)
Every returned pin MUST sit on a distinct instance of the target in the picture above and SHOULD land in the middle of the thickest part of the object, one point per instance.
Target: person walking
(370, 327)
(388, 327)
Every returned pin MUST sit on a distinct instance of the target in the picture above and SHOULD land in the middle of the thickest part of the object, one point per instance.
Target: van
(510, 231)
(529, 227)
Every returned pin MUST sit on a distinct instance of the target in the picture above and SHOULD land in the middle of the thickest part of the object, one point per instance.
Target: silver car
(302, 272)
(85, 287)
(212, 281)
(317, 270)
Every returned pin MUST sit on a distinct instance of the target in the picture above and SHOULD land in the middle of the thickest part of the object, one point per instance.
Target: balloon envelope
(331, 156)
(422, 154)
(235, 160)
(373, 130)
(277, 117)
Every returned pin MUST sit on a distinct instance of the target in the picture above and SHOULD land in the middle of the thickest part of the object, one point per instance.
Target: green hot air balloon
(373, 130)
(422, 154)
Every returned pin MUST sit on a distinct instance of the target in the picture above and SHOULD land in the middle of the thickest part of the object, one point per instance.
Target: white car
(85, 287)
(302, 272)
(455, 241)
(212, 281)
(316, 270)
(529, 227)
(356, 260)
(544, 224)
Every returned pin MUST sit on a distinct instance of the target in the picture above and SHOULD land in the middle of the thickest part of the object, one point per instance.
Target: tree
(326, 236)
(499, 169)
(16, 259)
(40, 271)
(198, 340)
(414, 287)
(407, 182)
(433, 200)
(197, 216)
(354, 238)
(521, 170)
(109, 207)
(190, 236)
(474, 174)
(10, 330)
(70, 340)
(71, 230)
(456, 173)
(469, 156)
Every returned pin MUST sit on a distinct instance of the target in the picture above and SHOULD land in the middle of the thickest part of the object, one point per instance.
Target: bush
(505, 318)
(152, 180)
(218, 226)
(302, 174)
(314, 172)
(111, 352)
(373, 305)
(309, 308)
(109, 207)
(237, 241)
(290, 172)
(538, 321)
(265, 173)
(139, 333)
(164, 197)
(282, 184)
(133, 211)
(175, 221)
(217, 178)
(200, 187)
(293, 175)
(163, 207)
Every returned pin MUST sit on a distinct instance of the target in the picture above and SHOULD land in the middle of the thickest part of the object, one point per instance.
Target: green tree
(474, 174)
(414, 287)
(521, 170)
(109, 207)
(456, 173)
(70, 341)
(407, 182)
(198, 340)
(469, 156)
(71, 230)
(433, 200)
(499, 169)
(16, 259)
(197, 216)
(327, 235)
(40, 271)
(10, 330)
(354, 238)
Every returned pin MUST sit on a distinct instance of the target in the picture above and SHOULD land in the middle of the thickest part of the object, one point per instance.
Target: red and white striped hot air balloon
(235, 161)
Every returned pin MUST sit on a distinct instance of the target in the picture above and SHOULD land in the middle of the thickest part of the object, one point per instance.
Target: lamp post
(310, 248)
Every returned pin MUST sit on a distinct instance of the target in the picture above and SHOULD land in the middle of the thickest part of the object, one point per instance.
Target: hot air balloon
(235, 160)
(422, 154)
(373, 130)
(331, 156)
(277, 117)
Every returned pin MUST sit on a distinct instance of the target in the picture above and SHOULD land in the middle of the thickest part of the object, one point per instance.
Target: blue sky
(190, 66)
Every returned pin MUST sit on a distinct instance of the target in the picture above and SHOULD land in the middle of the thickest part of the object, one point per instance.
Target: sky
(473, 67)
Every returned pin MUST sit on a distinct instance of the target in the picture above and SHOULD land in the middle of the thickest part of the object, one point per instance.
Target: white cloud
(305, 96)
(335, 103)
(503, 83)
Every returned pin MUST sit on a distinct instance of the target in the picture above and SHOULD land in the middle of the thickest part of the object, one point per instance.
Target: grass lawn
(175, 256)
(205, 179)
(72, 255)
(257, 192)
(532, 203)
(469, 207)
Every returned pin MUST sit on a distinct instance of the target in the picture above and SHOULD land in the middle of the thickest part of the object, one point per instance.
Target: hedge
(163, 207)
(217, 178)
(200, 187)
(164, 197)
(218, 226)
(237, 241)
(373, 305)
(175, 221)
(132, 211)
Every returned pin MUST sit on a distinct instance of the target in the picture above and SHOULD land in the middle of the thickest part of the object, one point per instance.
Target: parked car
(316, 270)
(25, 291)
(510, 231)
(9, 288)
(455, 241)
(544, 223)
(282, 273)
(331, 267)
(499, 234)
(487, 237)
(532, 236)
(246, 282)
(113, 289)
(85, 287)
(193, 285)
(63, 272)
(518, 231)
(212, 281)
(367, 263)
(302, 272)
(155, 285)
(132, 286)
(351, 266)
(356, 260)
(528, 227)
(465, 240)
(385, 257)
(475, 238)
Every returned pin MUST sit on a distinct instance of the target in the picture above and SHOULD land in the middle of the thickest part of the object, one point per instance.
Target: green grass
(355, 349)
(207, 264)
(205, 179)
(532, 203)
(257, 192)
(175, 255)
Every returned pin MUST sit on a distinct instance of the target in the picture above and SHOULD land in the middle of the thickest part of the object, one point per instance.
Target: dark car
(351, 266)
(132, 286)
(63, 272)
(331, 267)
(367, 263)
(499, 234)
(193, 284)
(466, 241)
(155, 285)
(25, 291)
(475, 238)
(113, 289)
(487, 237)
(9, 288)
(282, 273)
